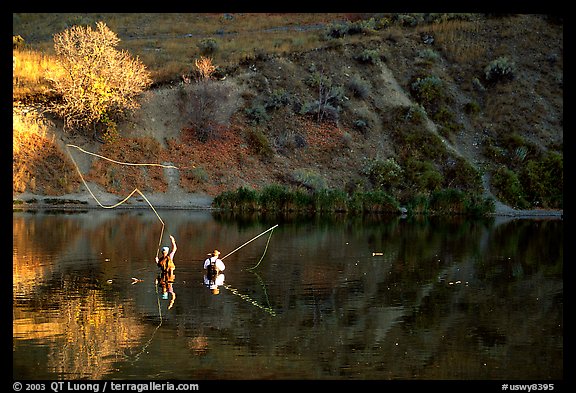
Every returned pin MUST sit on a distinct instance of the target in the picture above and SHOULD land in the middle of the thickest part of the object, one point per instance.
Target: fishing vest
(166, 267)
(212, 270)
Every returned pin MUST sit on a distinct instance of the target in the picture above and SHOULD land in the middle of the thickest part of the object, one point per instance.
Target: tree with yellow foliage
(100, 82)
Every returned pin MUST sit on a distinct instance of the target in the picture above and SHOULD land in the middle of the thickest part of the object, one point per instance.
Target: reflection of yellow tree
(85, 338)
(40, 238)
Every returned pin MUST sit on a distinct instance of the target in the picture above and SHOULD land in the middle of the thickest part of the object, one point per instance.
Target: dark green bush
(257, 113)
(459, 173)
(448, 201)
(543, 181)
(423, 174)
(328, 200)
(372, 202)
(508, 188)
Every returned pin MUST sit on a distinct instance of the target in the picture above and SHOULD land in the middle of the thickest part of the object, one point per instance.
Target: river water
(346, 298)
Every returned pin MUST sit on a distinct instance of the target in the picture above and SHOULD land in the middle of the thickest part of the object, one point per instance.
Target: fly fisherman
(167, 267)
(214, 265)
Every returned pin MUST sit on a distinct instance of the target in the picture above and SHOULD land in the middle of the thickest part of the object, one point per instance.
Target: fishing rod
(251, 240)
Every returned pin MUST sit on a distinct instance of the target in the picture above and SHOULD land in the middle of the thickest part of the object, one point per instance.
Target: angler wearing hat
(213, 267)
(166, 262)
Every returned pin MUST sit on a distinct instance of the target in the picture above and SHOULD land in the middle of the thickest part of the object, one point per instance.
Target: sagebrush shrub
(501, 69)
(427, 89)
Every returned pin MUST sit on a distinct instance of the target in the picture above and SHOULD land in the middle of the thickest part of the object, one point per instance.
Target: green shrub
(415, 114)
(508, 188)
(423, 174)
(409, 20)
(328, 200)
(336, 30)
(418, 204)
(445, 118)
(257, 113)
(462, 175)
(207, 46)
(197, 174)
(427, 90)
(428, 56)
(278, 98)
(368, 56)
(448, 201)
(478, 206)
(543, 180)
(279, 198)
(309, 179)
(501, 69)
(362, 26)
(383, 173)
(362, 126)
(317, 79)
(243, 199)
(376, 202)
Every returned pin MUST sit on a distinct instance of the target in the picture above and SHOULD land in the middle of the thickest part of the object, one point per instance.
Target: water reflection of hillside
(354, 299)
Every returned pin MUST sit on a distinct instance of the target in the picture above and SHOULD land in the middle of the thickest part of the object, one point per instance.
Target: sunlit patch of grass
(27, 130)
(38, 164)
(32, 72)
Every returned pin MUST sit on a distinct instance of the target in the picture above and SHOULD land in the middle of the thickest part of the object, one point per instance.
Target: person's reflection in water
(213, 282)
(167, 291)
(213, 277)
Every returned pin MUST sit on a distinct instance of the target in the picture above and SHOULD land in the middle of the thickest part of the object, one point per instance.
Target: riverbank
(186, 201)
(173, 200)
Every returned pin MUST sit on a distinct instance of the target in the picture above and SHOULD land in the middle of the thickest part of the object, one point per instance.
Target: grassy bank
(280, 198)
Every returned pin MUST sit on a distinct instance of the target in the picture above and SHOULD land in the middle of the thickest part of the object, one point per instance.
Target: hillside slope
(326, 118)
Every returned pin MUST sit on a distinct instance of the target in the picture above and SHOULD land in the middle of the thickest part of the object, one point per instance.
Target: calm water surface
(332, 298)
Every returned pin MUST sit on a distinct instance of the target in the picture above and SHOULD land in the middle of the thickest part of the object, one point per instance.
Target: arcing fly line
(137, 356)
(245, 297)
(264, 253)
(129, 195)
(249, 241)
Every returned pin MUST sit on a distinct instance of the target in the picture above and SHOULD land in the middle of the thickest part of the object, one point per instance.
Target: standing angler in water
(167, 267)
(213, 267)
